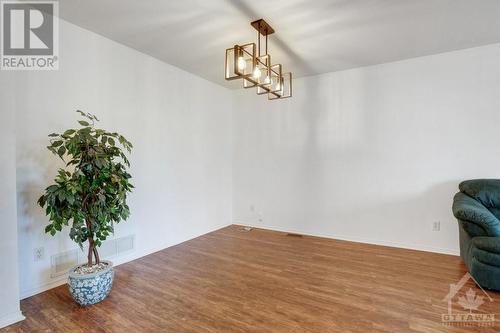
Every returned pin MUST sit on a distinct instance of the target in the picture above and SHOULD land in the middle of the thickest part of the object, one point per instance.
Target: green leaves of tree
(92, 193)
(61, 151)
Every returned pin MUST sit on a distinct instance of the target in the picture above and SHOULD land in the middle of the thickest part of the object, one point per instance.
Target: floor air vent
(290, 234)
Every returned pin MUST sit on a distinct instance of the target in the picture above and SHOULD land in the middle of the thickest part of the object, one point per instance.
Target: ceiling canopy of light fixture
(246, 62)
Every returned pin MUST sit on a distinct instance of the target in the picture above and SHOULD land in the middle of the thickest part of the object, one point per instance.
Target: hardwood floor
(265, 281)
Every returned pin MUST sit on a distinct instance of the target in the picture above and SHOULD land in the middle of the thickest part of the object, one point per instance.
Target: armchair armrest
(470, 210)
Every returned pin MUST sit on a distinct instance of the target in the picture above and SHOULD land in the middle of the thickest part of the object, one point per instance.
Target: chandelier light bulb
(267, 80)
(257, 73)
(242, 64)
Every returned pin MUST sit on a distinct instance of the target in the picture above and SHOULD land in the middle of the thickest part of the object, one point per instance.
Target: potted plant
(89, 194)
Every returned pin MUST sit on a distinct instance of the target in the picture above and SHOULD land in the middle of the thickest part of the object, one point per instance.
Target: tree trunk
(90, 253)
(91, 239)
(97, 260)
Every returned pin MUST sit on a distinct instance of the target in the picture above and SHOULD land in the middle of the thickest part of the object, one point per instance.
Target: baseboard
(55, 282)
(11, 318)
(417, 247)
(117, 261)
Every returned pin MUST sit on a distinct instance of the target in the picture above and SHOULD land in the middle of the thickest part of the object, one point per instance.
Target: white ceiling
(312, 36)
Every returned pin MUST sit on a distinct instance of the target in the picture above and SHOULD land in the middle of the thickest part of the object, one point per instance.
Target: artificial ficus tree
(91, 191)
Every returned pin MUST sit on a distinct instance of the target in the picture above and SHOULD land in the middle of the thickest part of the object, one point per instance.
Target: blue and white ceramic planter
(88, 289)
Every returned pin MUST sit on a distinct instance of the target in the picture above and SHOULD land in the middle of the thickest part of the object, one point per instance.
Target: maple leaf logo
(470, 301)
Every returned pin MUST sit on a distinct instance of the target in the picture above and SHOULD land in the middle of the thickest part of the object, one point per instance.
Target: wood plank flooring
(265, 281)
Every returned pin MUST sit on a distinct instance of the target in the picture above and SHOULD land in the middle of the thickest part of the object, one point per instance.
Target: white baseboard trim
(417, 247)
(126, 257)
(55, 282)
(11, 318)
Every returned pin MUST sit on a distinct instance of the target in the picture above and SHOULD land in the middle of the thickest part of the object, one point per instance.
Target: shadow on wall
(332, 117)
(36, 168)
(327, 114)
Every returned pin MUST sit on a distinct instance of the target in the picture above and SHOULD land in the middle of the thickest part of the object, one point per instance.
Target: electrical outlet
(38, 253)
(436, 226)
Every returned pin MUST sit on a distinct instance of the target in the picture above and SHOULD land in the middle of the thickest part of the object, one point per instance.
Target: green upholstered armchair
(477, 208)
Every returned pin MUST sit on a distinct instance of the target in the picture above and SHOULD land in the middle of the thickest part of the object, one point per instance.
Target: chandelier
(246, 62)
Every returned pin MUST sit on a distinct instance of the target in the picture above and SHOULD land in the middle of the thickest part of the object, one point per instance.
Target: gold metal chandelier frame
(246, 62)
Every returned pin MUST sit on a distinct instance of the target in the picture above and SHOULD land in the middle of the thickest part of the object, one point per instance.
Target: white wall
(180, 126)
(9, 279)
(373, 154)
